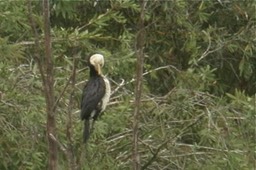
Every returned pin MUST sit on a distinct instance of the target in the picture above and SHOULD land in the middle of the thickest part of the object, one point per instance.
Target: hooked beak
(98, 69)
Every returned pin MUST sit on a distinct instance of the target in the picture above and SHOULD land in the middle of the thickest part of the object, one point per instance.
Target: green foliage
(193, 129)
(22, 120)
(10, 51)
(198, 105)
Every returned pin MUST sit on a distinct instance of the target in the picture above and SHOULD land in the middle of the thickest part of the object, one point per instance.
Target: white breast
(106, 97)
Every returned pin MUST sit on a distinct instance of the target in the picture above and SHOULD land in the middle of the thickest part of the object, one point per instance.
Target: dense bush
(198, 105)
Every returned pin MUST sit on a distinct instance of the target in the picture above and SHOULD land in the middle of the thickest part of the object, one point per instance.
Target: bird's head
(97, 61)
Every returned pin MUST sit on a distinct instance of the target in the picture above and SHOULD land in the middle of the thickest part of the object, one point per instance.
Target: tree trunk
(138, 88)
(48, 90)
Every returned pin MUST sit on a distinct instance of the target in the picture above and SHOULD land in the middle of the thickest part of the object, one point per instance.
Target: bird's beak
(98, 68)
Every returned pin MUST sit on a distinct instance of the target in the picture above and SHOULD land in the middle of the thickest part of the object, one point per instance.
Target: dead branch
(62, 147)
(140, 41)
(122, 84)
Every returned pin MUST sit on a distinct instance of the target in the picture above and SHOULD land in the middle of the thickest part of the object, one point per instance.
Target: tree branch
(122, 84)
(36, 42)
(46, 72)
(71, 157)
(140, 40)
(48, 90)
(155, 154)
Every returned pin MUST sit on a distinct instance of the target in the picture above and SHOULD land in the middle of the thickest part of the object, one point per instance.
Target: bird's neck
(93, 72)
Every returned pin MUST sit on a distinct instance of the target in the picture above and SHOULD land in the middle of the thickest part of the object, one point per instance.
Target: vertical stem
(71, 156)
(37, 44)
(48, 90)
(138, 88)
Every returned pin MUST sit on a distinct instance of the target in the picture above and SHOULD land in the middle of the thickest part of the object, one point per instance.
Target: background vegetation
(198, 104)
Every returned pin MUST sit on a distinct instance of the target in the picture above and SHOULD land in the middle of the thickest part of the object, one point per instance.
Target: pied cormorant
(96, 94)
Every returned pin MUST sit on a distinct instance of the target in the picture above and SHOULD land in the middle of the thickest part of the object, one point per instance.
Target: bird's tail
(86, 130)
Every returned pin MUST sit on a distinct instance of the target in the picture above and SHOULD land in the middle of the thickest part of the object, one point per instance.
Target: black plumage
(93, 92)
(93, 97)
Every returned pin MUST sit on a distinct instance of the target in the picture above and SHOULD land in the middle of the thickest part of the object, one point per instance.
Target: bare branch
(70, 155)
(62, 92)
(118, 87)
(208, 51)
(46, 72)
(48, 90)
(62, 147)
(122, 84)
(208, 48)
(213, 149)
(36, 42)
(140, 40)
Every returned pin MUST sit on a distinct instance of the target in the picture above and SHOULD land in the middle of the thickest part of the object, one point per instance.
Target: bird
(95, 96)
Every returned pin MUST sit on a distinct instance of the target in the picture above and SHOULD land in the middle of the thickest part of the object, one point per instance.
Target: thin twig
(71, 157)
(62, 147)
(122, 84)
(118, 87)
(36, 42)
(208, 48)
(208, 51)
(213, 149)
(155, 154)
(62, 92)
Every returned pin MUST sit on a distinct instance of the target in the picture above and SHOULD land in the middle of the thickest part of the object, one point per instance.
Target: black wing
(93, 92)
